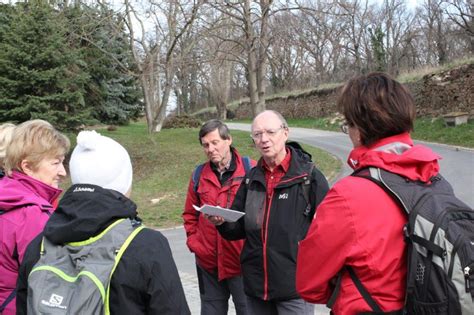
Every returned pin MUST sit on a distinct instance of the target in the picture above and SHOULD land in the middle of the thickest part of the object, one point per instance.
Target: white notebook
(228, 214)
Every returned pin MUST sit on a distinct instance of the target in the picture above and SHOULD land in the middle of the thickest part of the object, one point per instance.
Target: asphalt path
(457, 166)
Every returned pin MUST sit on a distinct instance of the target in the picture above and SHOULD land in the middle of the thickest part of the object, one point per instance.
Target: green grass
(436, 131)
(163, 163)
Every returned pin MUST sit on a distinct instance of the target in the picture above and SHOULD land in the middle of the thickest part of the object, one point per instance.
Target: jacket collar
(397, 154)
(85, 211)
(20, 190)
(300, 165)
(45, 191)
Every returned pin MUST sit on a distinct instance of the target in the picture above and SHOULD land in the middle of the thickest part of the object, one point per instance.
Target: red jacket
(211, 250)
(358, 224)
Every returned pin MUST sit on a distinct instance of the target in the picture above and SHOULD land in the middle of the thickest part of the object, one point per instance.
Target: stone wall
(435, 95)
(319, 103)
(445, 92)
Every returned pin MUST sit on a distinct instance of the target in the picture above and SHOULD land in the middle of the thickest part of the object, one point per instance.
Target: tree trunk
(253, 89)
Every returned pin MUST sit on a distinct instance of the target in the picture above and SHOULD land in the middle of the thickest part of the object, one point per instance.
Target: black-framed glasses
(345, 127)
(257, 135)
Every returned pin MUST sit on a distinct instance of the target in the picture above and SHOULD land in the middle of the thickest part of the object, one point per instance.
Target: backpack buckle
(307, 210)
(406, 234)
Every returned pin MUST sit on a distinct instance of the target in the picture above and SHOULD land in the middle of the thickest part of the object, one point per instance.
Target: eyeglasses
(257, 135)
(345, 127)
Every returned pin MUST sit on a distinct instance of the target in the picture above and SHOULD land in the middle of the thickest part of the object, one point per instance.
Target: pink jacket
(358, 224)
(25, 206)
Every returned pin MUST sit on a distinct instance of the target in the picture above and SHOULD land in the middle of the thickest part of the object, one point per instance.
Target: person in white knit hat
(143, 276)
(101, 161)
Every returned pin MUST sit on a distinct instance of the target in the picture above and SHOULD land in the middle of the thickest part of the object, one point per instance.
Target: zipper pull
(467, 273)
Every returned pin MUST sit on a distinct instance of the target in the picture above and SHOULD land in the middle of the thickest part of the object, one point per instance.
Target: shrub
(183, 121)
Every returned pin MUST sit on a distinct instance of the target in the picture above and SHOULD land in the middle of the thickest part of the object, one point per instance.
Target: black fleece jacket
(146, 280)
(272, 232)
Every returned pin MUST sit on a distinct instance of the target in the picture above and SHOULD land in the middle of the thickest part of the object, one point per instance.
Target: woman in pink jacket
(358, 224)
(33, 166)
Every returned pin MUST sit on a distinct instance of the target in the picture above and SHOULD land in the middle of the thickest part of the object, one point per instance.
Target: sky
(410, 3)
(413, 3)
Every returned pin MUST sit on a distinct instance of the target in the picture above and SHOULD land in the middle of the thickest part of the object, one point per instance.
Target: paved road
(457, 166)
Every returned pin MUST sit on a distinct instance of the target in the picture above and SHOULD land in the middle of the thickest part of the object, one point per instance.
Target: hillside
(436, 93)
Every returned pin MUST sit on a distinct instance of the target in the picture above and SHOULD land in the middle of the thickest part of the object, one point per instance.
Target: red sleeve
(325, 249)
(190, 215)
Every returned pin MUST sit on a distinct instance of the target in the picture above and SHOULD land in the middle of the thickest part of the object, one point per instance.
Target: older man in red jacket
(216, 183)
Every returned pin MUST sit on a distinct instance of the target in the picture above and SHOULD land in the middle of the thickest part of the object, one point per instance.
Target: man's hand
(214, 219)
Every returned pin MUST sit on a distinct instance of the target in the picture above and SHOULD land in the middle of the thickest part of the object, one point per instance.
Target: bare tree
(250, 21)
(461, 13)
(319, 33)
(432, 20)
(154, 51)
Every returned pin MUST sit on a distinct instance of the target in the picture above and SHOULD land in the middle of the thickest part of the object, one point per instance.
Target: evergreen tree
(40, 75)
(113, 94)
(376, 39)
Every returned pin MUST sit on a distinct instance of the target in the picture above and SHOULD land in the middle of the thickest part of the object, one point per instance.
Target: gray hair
(282, 119)
(212, 125)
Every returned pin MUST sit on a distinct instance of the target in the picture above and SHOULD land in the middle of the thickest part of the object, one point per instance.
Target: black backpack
(440, 238)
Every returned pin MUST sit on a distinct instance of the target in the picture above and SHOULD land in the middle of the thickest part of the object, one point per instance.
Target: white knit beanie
(100, 161)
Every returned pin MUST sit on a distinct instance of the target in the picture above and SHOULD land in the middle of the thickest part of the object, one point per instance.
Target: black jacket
(145, 281)
(268, 258)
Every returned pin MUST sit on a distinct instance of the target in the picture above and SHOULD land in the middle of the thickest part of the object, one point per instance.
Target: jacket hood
(300, 160)
(20, 190)
(298, 150)
(85, 211)
(398, 155)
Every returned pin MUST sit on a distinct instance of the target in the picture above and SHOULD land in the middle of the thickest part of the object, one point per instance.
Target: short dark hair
(378, 106)
(212, 125)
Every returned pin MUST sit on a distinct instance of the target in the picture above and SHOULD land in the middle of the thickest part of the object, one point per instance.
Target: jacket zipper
(264, 240)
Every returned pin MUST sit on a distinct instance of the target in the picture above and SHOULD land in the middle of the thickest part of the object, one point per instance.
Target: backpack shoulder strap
(196, 176)
(370, 173)
(306, 185)
(360, 287)
(376, 310)
(247, 163)
(374, 175)
(7, 301)
(137, 229)
(363, 291)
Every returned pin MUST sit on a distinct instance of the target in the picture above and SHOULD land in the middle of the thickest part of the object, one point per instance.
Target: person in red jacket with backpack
(215, 183)
(358, 228)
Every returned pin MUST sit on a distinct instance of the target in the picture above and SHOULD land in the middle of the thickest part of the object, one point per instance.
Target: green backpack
(74, 278)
